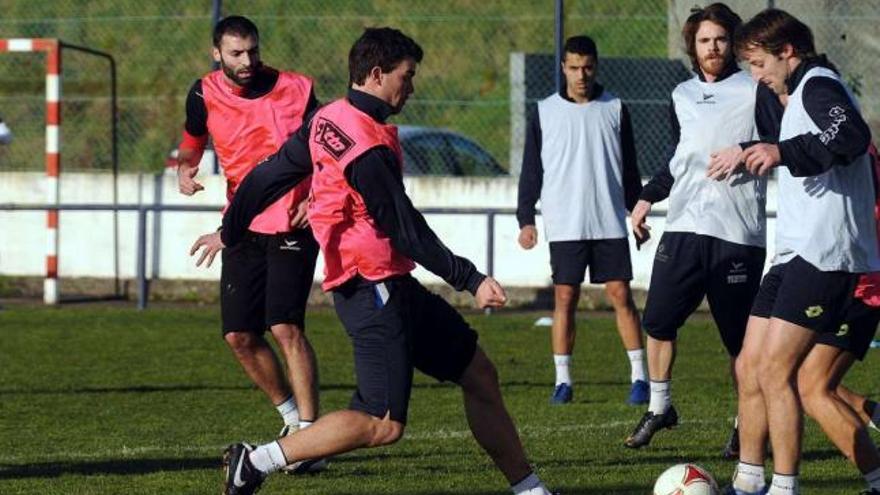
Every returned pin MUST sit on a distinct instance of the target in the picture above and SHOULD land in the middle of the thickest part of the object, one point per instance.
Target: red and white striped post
(53, 148)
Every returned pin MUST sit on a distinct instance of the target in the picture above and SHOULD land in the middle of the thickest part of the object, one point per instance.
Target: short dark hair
(581, 45)
(383, 47)
(235, 25)
(717, 13)
(772, 29)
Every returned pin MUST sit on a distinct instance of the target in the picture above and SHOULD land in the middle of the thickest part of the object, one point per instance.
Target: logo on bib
(707, 99)
(332, 139)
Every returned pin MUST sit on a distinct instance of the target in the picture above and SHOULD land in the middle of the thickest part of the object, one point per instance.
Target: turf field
(108, 400)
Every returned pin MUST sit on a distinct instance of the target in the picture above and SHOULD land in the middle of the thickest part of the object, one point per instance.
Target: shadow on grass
(132, 466)
(673, 455)
(148, 389)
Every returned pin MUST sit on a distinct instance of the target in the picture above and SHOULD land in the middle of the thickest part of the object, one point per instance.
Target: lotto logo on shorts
(844, 329)
(332, 139)
(814, 311)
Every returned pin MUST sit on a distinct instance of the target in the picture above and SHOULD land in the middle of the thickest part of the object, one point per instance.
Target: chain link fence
(470, 81)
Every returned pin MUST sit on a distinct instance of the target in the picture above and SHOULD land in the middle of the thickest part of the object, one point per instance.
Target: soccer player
(580, 160)
(714, 241)
(249, 110)
(825, 239)
(371, 236)
(832, 405)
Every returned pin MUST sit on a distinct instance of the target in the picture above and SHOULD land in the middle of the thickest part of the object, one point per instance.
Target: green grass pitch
(108, 400)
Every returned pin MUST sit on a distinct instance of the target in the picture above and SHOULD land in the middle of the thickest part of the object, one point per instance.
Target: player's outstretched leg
(493, 427)
(334, 433)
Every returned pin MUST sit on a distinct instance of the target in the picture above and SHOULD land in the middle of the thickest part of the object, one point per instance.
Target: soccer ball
(686, 479)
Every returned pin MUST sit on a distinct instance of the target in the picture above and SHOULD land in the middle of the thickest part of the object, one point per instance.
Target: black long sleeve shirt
(844, 134)
(844, 137)
(376, 176)
(531, 177)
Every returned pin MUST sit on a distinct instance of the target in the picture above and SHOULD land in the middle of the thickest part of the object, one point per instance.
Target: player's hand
(528, 236)
(212, 245)
(299, 218)
(186, 174)
(638, 218)
(490, 294)
(761, 157)
(724, 162)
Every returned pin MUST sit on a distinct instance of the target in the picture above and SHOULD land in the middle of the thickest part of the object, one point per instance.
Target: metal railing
(143, 209)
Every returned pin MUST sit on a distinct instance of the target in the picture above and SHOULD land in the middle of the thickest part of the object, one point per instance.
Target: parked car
(436, 151)
(426, 151)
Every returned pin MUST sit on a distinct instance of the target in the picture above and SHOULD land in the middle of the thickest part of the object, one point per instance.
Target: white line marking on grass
(442, 434)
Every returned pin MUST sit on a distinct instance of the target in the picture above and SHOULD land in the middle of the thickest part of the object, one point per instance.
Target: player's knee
(241, 342)
(619, 295)
(746, 373)
(566, 296)
(773, 376)
(812, 391)
(288, 334)
(386, 431)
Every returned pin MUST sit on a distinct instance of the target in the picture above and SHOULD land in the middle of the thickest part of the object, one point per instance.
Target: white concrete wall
(86, 241)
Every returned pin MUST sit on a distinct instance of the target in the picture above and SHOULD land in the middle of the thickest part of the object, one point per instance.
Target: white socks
(562, 362)
(530, 485)
(783, 484)
(268, 458)
(637, 365)
(661, 396)
(305, 424)
(288, 411)
(749, 477)
(636, 361)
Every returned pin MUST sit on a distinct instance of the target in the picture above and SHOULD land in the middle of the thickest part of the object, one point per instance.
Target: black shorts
(856, 332)
(689, 266)
(608, 259)
(799, 293)
(265, 280)
(397, 325)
